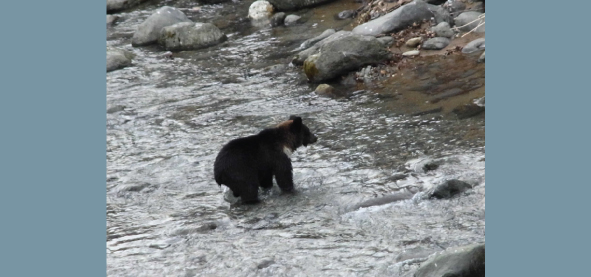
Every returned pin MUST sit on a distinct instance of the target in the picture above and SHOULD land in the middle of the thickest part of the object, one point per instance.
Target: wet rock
(290, 5)
(466, 17)
(436, 43)
(387, 40)
(265, 263)
(292, 19)
(190, 36)
(324, 89)
(260, 10)
(468, 110)
(435, 2)
(275, 70)
(277, 19)
(396, 20)
(449, 189)
(308, 43)
(115, 109)
(118, 58)
(342, 55)
(345, 14)
(481, 58)
(440, 14)
(413, 42)
(411, 53)
(149, 31)
(443, 30)
(474, 46)
(414, 253)
(465, 261)
(111, 19)
(114, 6)
(303, 55)
(386, 199)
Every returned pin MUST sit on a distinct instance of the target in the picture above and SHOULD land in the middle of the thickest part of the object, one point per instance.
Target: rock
(111, 19)
(308, 43)
(436, 43)
(324, 89)
(118, 58)
(449, 189)
(292, 19)
(454, 7)
(387, 40)
(260, 10)
(443, 30)
(474, 46)
(440, 14)
(411, 53)
(114, 6)
(303, 55)
(414, 253)
(277, 19)
(115, 109)
(345, 14)
(265, 263)
(149, 31)
(386, 199)
(480, 101)
(344, 54)
(481, 59)
(466, 17)
(290, 5)
(396, 20)
(435, 2)
(190, 36)
(413, 42)
(467, 260)
(275, 70)
(468, 110)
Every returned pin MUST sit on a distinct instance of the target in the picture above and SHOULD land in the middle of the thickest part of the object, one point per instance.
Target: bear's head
(298, 133)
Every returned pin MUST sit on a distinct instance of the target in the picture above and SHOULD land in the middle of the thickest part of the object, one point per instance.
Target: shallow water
(167, 119)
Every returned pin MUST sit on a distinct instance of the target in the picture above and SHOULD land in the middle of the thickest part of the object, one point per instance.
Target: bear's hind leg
(266, 179)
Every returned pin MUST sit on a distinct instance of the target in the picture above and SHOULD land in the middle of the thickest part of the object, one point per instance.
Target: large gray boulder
(114, 6)
(289, 5)
(149, 31)
(401, 18)
(466, 17)
(303, 55)
(465, 261)
(342, 55)
(190, 36)
(118, 58)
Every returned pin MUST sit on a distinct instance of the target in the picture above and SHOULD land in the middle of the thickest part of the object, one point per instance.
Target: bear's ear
(292, 117)
(297, 122)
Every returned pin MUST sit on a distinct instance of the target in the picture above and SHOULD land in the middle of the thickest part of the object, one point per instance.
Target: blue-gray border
(537, 138)
(53, 138)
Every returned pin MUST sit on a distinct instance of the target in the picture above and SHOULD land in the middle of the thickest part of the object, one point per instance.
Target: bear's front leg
(283, 174)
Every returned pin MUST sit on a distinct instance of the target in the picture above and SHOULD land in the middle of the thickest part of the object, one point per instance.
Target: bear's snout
(314, 139)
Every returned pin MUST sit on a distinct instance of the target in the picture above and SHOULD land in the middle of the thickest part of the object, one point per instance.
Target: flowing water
(168, 118)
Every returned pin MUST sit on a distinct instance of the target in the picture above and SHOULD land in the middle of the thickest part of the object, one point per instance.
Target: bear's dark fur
(246, 163)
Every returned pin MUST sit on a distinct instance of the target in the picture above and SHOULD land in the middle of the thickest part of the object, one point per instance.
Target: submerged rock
(342, 55)
(118, 58)
(466, 261)
(290, 5)
(449, 189)
(310, 42)
(443, 30)
(474, 46)
(468, 110)
(436, 43)
(324, 89)
(386, 199)
(189, 36)
(345, 14)
(149, 31)
(260, 10)
(292, 19)
(277, 19)
(111, 19)
(467, 17)
(114, 6)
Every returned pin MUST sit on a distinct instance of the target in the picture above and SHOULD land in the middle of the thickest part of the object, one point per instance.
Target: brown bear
(246, 163)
